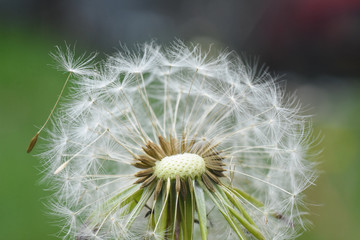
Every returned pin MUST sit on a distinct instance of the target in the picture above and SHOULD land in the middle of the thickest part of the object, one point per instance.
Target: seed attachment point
(180, 165)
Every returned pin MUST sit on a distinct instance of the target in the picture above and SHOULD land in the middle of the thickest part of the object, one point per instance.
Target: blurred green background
(326, 79)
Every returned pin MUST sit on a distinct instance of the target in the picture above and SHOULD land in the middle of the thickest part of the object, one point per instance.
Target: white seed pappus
(223, 113)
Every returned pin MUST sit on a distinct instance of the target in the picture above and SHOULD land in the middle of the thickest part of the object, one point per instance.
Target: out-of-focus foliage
(28, 87)
(337, 193)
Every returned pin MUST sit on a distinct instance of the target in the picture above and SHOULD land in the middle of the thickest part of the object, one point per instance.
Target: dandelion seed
(80, 66)
(169, 143)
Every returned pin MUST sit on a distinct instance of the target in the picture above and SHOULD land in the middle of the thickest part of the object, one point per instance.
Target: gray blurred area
(310, 37)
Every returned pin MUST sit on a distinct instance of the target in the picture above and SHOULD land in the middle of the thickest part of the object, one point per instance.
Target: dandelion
(170, 143)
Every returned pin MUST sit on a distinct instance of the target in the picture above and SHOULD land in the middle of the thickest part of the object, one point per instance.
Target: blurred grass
(338, 187)
(29, 87)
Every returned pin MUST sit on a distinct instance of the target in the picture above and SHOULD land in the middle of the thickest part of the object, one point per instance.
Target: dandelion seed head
(172, 143)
